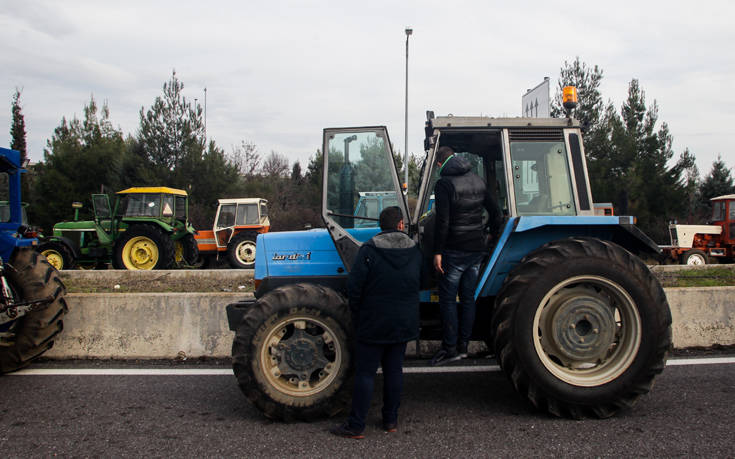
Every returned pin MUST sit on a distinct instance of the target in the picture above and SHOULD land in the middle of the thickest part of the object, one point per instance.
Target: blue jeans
(461, 271)
(367, 359)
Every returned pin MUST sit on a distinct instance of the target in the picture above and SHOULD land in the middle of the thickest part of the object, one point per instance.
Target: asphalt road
(689, 413)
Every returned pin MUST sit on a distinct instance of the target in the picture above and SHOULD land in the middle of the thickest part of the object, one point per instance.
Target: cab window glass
(357, 163)
(181, 207)
(101, 206)
(167, 206)
(247, 214)
(226, 216)
(718, 211)
(541, 179)
(143, 205)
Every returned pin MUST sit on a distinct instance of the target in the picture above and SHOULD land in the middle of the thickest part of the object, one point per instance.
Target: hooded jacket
(460, 197)
(383, 289)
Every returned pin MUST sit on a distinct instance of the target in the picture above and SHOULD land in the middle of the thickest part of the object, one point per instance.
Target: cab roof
(452, 121)
(153, 189)
(242, 200)
(723, 197)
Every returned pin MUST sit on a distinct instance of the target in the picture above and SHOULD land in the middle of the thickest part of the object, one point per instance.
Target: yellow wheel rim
(178, 252)
(140, 253)
(54, 258)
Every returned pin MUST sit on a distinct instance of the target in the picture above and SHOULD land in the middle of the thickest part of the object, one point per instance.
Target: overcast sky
(279, 72)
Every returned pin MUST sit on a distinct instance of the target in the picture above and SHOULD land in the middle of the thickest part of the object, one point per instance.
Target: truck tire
(57, 254)
(144, 247)
(32, 277)
(241, 251)
(582, 328)
(694, 257)
(291, 354)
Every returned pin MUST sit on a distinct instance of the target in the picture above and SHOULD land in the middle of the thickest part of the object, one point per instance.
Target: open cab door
(357, 162)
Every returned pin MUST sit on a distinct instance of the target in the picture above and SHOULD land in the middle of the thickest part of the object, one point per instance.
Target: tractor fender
(635, 241)
(236, 311)
(68, 243)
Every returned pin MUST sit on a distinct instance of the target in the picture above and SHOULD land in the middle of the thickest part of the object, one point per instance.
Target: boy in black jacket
(383, 290)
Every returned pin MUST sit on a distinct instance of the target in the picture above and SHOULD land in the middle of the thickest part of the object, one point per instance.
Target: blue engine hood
(302, 253)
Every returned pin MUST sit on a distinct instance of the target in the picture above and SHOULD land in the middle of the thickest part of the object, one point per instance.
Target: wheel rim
(301, 356)
(245, 252)
(54, 258)
(587, 331)
(696, 259)
(140, 252)
(178, 252)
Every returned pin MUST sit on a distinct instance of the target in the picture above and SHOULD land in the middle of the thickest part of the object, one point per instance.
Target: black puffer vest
(467, 201)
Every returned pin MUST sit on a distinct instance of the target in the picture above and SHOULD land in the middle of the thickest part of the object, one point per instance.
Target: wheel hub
(583, 328)
(301, 354)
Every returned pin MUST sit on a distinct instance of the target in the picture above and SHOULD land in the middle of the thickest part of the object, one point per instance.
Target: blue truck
(32, 303)
(574, 317)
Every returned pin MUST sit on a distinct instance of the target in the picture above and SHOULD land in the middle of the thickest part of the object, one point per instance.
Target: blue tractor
(32, 302)
(577, 321)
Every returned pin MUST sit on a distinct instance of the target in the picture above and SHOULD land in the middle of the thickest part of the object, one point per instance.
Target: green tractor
(147, 229)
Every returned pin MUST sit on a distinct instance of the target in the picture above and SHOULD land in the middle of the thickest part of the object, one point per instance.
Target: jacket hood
(456, 166)
(393, 246)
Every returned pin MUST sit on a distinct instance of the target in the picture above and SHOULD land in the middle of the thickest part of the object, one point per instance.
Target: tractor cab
(533, 167)
(237, 214)
(723, 214)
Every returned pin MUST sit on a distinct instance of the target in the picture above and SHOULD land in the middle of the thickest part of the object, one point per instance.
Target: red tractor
(703, 244)
(236, 226)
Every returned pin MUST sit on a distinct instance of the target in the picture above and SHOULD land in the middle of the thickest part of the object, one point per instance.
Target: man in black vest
(383, 292)
(460, 246)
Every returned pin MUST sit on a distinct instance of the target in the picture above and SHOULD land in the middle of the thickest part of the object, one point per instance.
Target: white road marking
(228, 371)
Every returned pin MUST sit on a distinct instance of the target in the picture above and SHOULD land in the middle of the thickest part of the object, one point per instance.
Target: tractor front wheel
(694, 257)
(241, 251)
(291, 356)
(582, 328)
(57, 254)
(31, 277)
(144, 247)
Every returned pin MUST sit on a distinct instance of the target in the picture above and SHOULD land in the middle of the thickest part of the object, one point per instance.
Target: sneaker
(444, 356)
(343, 430)
(462, 350)
(390, 427)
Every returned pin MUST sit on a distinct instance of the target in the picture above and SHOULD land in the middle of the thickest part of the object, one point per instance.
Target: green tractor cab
(148, 228)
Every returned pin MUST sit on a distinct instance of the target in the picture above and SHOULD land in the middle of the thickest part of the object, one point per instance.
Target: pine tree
(718, 182)
(18, 128)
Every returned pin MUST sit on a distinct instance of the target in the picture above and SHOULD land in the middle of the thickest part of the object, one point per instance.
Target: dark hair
(443, 153)
(389, 218)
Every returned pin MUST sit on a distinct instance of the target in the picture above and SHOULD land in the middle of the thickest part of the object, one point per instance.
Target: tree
(171, 131)
(587, 80)
(718, 182)
(18, 128)
(76, 164)
(18, 140)
(246, 158)
(275, 165)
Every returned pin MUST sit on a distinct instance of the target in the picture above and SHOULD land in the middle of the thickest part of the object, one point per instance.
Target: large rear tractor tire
(31, 277)
(582, 328)
(144, 247)
(241, 251)
(57, 254)
(291, 354)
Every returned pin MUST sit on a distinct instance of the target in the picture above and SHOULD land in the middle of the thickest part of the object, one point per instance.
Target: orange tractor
(704, 244)
(236, 227)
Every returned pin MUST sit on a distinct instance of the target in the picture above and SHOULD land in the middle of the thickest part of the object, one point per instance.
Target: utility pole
(409, 31)
(205, 114)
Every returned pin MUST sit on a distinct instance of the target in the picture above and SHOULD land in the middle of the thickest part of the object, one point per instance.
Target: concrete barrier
(167, 325)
